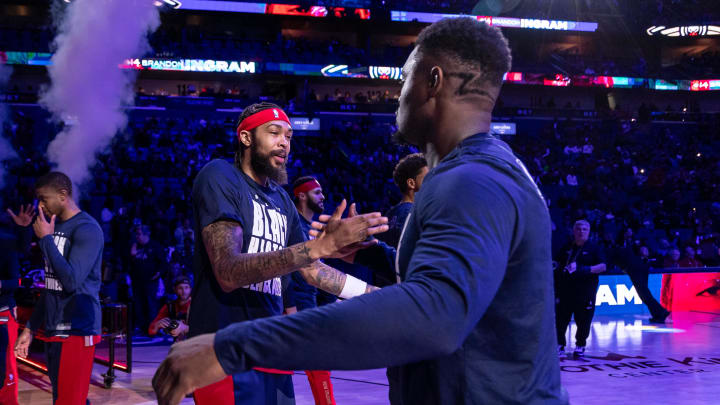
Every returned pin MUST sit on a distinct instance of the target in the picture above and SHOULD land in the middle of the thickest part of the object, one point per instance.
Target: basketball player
(251, 235)
(472, 320)
(69, 307)
(408, 176)
(309, 201)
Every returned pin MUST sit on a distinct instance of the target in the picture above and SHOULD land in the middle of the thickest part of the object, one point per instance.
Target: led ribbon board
(505, 22)
(26, 58)
(159, 3)
(704, 85)
(684, 31)
(275, 9)
(369, 72)
(191, 65)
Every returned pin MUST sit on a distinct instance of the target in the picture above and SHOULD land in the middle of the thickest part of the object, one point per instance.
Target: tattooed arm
(233, 269)
(326, 278)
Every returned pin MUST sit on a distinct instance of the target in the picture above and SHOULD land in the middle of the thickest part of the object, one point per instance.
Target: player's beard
(262, 166)
(315, 207)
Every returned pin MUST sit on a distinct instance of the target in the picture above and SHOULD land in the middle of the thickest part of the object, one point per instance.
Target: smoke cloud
(6, 149)
(88, 91)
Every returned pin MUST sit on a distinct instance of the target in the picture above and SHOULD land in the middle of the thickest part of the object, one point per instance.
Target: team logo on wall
(684, 31)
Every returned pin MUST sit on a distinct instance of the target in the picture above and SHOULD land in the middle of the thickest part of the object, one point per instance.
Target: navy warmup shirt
(473, 320)
(300, 294)
(396, 220)
(222, 192)
(70, 303)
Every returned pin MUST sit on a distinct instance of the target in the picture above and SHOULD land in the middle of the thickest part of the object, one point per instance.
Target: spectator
(173, 316)
(184, 232)
(689, 260)
(146, 267)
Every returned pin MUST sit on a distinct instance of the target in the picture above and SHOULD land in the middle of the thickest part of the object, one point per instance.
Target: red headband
(307, 186)
(262, 117)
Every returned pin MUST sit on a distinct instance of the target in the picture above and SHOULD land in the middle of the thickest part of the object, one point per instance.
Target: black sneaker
(561, 350)
(579, 351)
(665, 319)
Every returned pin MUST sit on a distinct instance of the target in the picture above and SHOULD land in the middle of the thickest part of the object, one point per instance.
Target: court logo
(622, 366)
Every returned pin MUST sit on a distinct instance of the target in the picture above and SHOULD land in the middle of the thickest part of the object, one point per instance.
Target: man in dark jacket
(576, 283)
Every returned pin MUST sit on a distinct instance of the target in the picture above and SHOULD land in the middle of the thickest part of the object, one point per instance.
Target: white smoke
(87, 89)
(6, 149)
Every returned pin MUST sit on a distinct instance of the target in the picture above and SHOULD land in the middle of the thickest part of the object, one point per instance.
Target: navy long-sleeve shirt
(70, 303)
(396, 220)
(9, 270)
(472, 320)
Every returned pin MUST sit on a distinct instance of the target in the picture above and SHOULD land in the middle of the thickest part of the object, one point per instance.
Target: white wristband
(353, 287)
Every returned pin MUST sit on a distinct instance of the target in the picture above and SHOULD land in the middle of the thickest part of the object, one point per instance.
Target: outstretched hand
(347, 253)
(24, 216)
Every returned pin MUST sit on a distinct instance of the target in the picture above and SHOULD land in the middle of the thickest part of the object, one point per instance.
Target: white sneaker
(579, 351)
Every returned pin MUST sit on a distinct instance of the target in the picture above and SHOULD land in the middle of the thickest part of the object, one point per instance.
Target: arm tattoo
(233, 269)
(469, 84)
(324, 277)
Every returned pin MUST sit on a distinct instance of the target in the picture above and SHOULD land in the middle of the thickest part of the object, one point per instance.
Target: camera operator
(172, 318)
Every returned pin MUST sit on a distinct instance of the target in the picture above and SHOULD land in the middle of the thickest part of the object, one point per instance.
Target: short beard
(262, 167)
(314, 207)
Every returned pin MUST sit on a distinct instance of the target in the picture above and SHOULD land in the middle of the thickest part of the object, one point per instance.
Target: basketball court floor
(627, 360)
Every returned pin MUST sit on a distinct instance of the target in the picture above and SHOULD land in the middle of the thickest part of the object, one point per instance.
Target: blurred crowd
(646, 188)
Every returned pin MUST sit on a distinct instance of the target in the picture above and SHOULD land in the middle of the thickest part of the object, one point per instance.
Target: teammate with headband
(309, 201)
(251, 236)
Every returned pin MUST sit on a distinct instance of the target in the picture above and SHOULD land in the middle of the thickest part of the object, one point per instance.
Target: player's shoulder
(216, 167)
(461, 176)
(218, 172)
(88, 222)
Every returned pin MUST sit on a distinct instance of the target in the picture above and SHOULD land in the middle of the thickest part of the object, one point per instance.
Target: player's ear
(436, 80)
(245, 137)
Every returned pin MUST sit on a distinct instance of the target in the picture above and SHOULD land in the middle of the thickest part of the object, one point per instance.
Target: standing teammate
(69, 308)
(408, 176)
(309, 201)
(472, 320)
(250, 236)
